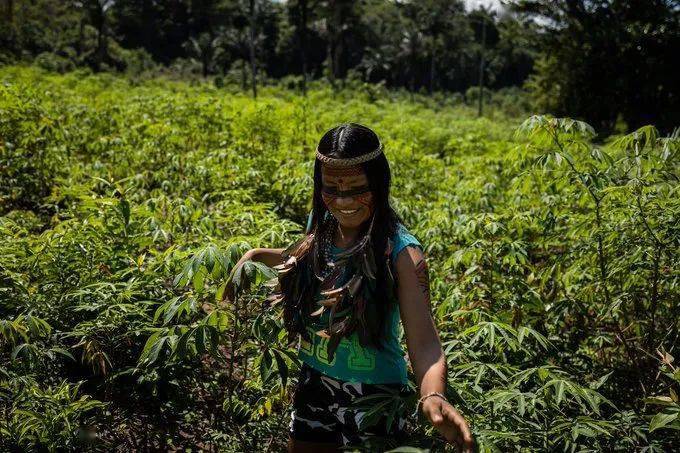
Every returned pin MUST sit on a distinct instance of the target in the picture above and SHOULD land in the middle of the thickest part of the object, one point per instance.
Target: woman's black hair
(352, 140)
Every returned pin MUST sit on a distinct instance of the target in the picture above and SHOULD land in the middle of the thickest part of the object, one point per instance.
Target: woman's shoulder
(401, 239)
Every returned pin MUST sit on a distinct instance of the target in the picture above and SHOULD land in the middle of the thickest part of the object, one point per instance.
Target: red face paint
(347, 196)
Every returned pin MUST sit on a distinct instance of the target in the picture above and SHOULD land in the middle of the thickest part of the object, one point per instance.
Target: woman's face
(346, 195)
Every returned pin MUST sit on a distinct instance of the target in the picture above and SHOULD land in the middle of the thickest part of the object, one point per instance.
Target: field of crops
(554, 265)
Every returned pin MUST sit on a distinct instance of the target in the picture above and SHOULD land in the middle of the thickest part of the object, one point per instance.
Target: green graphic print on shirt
(353, 362)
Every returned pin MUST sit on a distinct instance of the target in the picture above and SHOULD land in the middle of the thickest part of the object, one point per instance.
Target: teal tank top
(353, 362)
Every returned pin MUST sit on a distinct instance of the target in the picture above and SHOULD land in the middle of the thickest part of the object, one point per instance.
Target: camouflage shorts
(323, 411)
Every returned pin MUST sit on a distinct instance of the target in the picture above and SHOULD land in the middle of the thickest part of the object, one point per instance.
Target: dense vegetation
(124, 206)
(608, 62)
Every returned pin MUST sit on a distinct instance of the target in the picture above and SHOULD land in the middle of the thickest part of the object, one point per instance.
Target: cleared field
(124, 206)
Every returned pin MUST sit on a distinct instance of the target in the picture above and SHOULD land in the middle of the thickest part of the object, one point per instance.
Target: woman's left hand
(449, 423)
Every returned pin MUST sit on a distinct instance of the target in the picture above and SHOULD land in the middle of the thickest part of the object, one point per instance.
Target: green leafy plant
(124, 208)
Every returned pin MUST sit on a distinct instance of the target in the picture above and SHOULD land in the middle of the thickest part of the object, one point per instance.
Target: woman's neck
(344, 237)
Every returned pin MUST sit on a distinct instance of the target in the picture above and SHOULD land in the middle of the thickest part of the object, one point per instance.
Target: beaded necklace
(345, 304)
(331, 269)
(326, 240)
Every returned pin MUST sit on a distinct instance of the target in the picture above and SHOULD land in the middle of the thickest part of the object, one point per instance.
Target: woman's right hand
(270, 257)
(228, 297)
(229, 294)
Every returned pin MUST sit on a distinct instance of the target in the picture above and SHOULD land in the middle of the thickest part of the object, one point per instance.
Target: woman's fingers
(437, 416)
(228, 294)
(450, 423)
(461, 430)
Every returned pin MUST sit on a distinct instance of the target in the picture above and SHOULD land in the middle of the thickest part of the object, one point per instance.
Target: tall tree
(416, 44)
(436, 18)
(419, 44)
(486, 37)
(301, 14)
(98, 13)
(606, 59)
(160, 27)
(9, 11)
(340, 19)
(253, 66)
(205, 48)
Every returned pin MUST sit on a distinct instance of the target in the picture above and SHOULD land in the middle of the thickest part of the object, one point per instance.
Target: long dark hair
(347, 141)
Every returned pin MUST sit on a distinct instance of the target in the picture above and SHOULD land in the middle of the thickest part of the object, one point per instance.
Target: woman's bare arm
(269, 257)
(424, 348)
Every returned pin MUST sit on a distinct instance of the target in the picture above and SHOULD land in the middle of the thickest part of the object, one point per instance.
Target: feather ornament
(345, 283)
(322, 333)
(328, 302)
(317, 312)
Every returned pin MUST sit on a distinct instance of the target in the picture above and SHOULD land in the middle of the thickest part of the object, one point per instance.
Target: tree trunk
(432, 69)
(302, 4)
(331, 62)
(481, 69)
(101, 44)
(337, 55)
(244, 75)
(331, 29)
(335, 40)
(101, 37)
(413, 67)
(81, 36)
(9, 11)
(253, 69)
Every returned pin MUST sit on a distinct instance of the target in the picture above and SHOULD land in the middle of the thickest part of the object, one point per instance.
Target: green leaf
(64, 352)
(559, 391)
(17, 350)
(663, 419)
(282, 367)
(199, 279)
(124, 209)
(266, 366)
(200, 339)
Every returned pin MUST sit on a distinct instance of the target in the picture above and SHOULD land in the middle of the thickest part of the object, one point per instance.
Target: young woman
(344, 287)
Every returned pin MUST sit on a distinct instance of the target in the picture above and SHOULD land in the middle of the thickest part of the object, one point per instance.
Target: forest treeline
(606, 62)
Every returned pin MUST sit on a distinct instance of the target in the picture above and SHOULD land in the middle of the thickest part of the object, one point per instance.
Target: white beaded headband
(349, 162)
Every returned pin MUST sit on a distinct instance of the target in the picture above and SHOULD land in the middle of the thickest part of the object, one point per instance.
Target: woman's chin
(350, 222)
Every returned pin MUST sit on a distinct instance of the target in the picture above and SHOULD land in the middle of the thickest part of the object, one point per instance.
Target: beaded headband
(340, 163)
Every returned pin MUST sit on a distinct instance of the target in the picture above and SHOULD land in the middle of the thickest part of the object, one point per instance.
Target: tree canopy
(601, 61)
